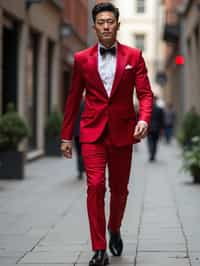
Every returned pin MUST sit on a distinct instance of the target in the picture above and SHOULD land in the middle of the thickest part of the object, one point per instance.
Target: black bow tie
(104, 51)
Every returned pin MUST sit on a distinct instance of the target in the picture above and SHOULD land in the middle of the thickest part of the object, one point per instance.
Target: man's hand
(140, 130)
(66, 149)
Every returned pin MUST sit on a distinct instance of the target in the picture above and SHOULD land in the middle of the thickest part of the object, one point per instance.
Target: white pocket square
(128, 67)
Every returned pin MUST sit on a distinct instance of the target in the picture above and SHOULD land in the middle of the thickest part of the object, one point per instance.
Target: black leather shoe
(100, 258)
(115, 243)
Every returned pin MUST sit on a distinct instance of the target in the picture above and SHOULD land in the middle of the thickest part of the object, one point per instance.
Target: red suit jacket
(117, 110)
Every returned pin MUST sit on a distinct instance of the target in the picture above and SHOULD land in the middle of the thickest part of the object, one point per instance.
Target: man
(155, 128)
(108, 72)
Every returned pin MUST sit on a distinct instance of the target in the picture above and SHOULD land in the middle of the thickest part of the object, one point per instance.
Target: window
(140, 6)
(140, 41)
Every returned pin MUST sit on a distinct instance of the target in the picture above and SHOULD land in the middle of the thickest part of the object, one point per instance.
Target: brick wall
(76, 13)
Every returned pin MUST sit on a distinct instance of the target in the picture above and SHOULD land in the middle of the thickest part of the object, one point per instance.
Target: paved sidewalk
(43, 219)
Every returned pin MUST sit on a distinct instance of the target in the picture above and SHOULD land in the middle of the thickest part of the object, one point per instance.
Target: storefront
(30, 63)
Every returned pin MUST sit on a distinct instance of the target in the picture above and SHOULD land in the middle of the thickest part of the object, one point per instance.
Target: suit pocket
(129, 69)
(128, 75)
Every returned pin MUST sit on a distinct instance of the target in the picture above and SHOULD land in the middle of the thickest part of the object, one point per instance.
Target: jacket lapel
(93, 66)
(120, 66)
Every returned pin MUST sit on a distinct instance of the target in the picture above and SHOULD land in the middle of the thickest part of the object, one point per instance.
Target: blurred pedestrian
(155, 130)
(108, 72)
(169, 121)
(77, 144)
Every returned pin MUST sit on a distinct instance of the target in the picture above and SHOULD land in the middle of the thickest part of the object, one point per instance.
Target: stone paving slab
(45, 264)
(162, 259)
(158, 247)
(43, 219)
(195, 256)
(111, 264)
(50, 257)
(124, 260)
(17, 244)
(64, 248)
(8, 261)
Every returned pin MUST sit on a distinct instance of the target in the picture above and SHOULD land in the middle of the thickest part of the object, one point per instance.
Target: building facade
(30, 63)
(190, 45)
(182, 61)
(74, 38)
(171, 37)
(141, 24)
(38, 39)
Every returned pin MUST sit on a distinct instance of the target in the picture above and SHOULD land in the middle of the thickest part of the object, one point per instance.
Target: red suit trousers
(96, 157)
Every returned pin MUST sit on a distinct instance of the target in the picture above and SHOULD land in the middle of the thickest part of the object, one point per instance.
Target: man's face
(106, 27)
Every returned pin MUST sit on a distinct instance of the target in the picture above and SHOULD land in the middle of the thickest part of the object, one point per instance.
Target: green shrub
(192, 157)
(190, 127)
(53, 124)
(12, 129)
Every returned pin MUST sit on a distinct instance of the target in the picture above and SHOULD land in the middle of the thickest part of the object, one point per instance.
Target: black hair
(106, 6)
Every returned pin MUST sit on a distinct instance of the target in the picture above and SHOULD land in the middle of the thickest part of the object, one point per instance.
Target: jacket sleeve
(73, 101)
(143, 90)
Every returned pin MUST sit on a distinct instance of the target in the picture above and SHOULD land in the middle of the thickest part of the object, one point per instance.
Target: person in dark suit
(77, 144)
(169, 121)
(155, 129)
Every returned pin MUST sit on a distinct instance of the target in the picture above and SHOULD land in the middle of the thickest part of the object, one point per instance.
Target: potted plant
(52, 134)
(190, 127)
(12, 131)
(192, 159)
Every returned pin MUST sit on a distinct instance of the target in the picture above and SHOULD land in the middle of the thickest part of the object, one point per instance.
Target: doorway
(9, 65)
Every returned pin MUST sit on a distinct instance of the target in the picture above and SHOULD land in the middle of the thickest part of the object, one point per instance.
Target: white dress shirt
(107, 68)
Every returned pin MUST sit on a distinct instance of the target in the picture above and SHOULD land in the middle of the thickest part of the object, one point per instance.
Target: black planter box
(12, 164)
(195, 171)
(52, 146)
